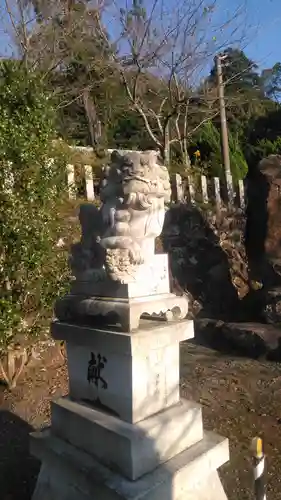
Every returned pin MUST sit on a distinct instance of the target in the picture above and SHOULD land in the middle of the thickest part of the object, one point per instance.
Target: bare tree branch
(158, 54)
(169, 44)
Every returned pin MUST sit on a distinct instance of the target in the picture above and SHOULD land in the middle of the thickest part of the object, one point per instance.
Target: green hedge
(33, 269)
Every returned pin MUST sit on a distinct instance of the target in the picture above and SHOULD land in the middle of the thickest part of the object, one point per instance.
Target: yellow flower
(197, 153)
(256, 285)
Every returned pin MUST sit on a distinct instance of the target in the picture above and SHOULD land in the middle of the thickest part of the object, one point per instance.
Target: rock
(208, 258)
(248, 339)
(263, 226)
(218, 273)
(263, 235)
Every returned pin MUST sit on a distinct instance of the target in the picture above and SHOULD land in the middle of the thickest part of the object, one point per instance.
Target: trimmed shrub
(33, 266)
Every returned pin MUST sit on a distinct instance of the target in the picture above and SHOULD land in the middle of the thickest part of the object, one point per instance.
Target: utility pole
(224, 133)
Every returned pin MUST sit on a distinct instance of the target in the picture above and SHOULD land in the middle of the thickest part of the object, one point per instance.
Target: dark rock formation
(263, 236)
(230, 266)
(263, 226)
(207, 259)
(249, 339)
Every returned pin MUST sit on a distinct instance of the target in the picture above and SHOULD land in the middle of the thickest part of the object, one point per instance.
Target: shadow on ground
(18, 469)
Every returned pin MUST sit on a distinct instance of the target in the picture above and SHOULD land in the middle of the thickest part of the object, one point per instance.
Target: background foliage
(32, 269)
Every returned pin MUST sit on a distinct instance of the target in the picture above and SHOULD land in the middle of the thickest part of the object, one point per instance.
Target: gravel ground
(240, 399)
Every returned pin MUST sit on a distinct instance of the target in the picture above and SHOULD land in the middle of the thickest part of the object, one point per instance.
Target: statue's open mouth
(131, 178)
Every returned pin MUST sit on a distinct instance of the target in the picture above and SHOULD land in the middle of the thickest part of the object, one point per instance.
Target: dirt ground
(240, 398)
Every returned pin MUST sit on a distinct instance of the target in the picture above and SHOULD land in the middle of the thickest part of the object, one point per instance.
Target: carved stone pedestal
(125, 311)
(129, 375)
(148, 294)
(123, 432)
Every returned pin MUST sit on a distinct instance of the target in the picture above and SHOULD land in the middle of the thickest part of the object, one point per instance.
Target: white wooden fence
(199, 189)
(193, 189)
(214, 190)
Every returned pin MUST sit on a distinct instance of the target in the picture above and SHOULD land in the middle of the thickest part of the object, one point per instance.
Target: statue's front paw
(135, 255)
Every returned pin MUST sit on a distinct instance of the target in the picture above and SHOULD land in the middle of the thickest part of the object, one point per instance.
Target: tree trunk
(93, 121)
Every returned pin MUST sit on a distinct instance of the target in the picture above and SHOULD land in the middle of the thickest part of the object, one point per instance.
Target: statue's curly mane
(143, 184)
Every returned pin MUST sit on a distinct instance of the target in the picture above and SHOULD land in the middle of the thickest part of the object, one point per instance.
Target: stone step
(212, 489)
(131, 449)
(71, 474)
(252, 339)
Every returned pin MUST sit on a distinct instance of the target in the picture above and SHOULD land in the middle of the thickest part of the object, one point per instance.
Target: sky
(265, 47)
(261, 20)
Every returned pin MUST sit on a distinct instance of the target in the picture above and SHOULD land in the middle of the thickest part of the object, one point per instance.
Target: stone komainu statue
(120, 236)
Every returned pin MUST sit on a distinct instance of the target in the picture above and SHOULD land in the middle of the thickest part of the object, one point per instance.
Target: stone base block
(124, 311)
(68, 473)
(130, 375)
(211, 489)
(130, 449)
(157, 270)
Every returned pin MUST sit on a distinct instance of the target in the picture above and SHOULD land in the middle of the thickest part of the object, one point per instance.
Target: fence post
(71, 181)
(217, 192)
(229, 187)
(191, 189)
(204, 188)
(177, 188)
(241, 194)
(90, 193)
(259, 468)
